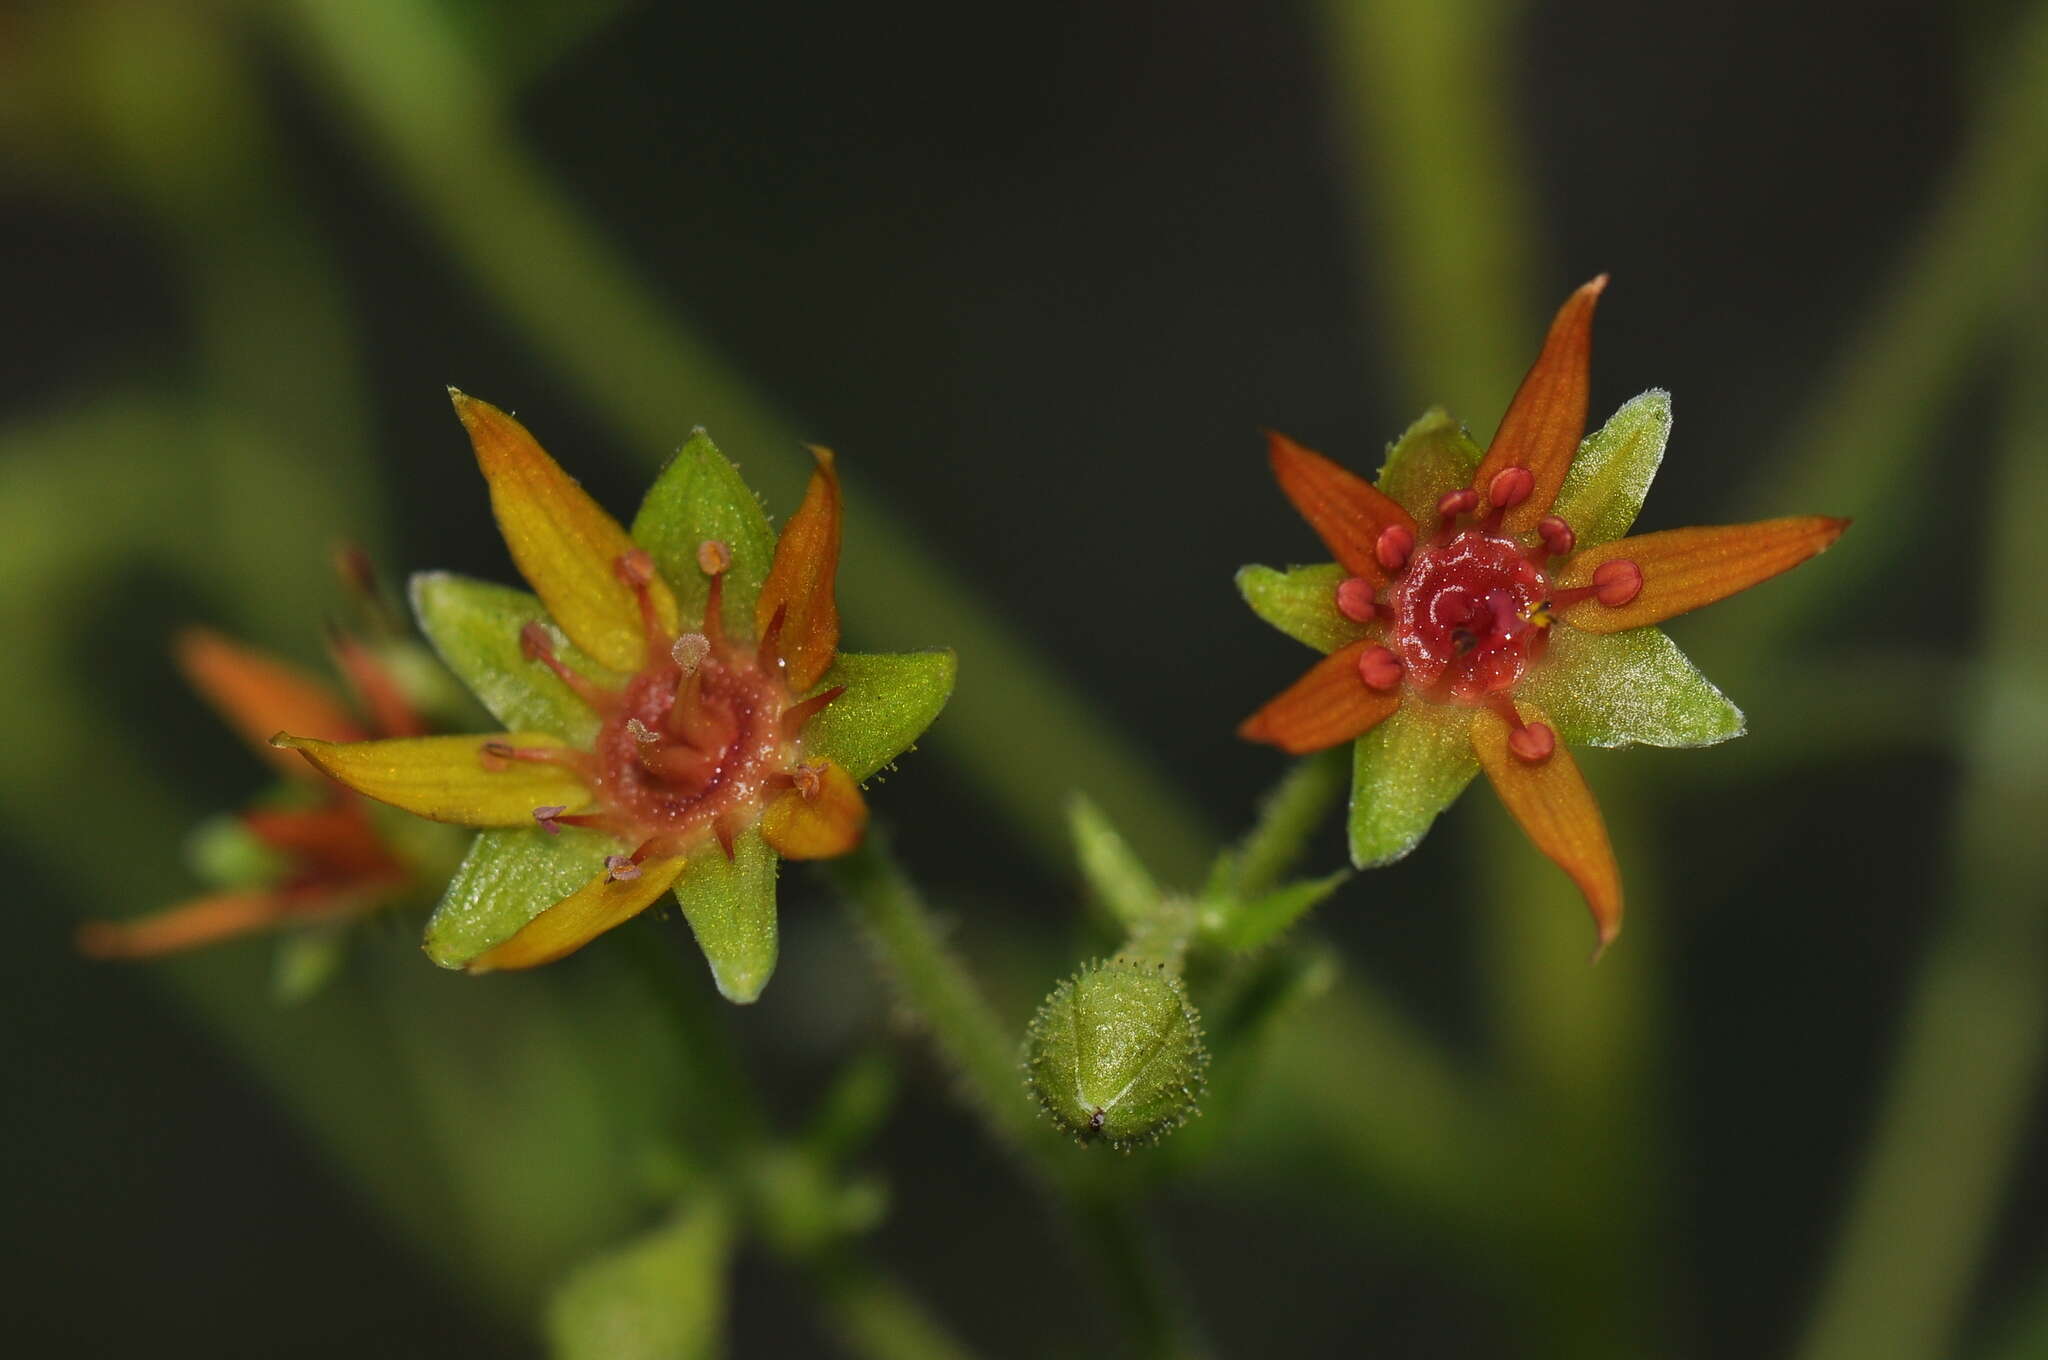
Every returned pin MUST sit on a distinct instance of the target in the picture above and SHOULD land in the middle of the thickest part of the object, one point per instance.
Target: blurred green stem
(873, 1316)
(1975, 1032)
(1017, 726)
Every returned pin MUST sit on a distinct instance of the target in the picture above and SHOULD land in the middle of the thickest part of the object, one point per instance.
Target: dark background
(1042, 276)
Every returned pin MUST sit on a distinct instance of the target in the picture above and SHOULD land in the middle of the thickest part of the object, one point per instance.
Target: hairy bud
(1116, 1054)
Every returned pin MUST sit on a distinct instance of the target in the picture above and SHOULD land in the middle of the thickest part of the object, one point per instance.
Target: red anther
(1617, 582)
(1510, 487)
(618, 867)
(1392, 547)
(1379, 668)
(550, 818)
(1455, 503)
(689, 651)
(1558, 538)
(713, 557)
(634, 569)
(1354, 599)
(796, 715)
(1532, 743)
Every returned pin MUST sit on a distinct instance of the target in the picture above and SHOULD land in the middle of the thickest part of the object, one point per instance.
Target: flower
(644, 754)
(1485, 611)
(309, 857)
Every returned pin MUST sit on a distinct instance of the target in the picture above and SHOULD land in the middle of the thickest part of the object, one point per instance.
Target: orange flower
(1483, 607)
(691, 720)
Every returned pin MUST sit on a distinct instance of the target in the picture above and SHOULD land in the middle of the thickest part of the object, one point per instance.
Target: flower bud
(1115, 1053)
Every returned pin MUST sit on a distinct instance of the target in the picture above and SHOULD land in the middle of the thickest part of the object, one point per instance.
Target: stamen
(1558, 538)
(1617, 582)
(796, 715)
(1379, 668)
(809, 780)
(714, 558)
(635, 571)
(1394, 544)
(618, 867)
(689, 651)
(1510, 487)
(538, 755)
(550, 818)
(1532, 743)
(1455, 503)
(536, 644)
(1354, 599)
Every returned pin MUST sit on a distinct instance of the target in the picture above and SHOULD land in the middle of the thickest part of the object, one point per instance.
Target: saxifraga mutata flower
(679, 715)
(1485, 611)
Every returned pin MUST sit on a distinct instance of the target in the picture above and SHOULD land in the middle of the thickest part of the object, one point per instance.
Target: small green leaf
(890, 699)
(475, 626)
(1115, 1053)
(730, 906)
(1111, 867)
(1403, 773)
(1614, 689)
(1247, 925)
(659, 1297)
(1301, 602)
(1610, 474)
(1431, 459)
(508, 878)
(306, 960)
(700, 496)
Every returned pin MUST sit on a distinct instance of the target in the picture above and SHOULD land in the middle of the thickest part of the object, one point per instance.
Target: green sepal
(700, 496)
(307, 960)
(1432, 458)
(1403, 773)
(660, 1296)
(1616, 689)
(475, 627)
(1610, 474)
(1247, 925)
(1301, 602)
(890, 699)
(227, 855)
(1113, 870)
(508, 878)
(730, 905)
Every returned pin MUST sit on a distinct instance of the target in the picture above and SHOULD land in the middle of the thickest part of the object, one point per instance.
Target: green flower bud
(1116, 1054)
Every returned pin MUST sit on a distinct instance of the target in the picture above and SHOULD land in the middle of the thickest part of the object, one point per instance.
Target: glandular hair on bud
(1115, 1053)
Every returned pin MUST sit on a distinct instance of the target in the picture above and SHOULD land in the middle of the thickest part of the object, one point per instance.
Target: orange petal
(1686, 568)
(1347, 512)
(377, 689)
(563, 542)
(1556, 810)
(1329, 705)
(1545, 421)
(581, 917)
(259, 694)
(800, 582)
(338, 839)
(203, 920)
(452, 779)
(823, 825)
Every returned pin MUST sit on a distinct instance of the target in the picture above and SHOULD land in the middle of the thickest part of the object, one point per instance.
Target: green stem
(1976, 1029)
(874, 1316)
(1021, 729)
(1288, 817)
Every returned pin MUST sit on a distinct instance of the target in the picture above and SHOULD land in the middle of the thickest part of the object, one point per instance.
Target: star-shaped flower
(678, 712)
(1484, 611)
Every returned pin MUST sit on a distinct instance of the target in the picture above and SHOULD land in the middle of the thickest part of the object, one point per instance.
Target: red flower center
(1465, 615)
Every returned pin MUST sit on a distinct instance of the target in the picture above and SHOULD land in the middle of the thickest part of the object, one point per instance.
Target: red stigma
(1463, 615)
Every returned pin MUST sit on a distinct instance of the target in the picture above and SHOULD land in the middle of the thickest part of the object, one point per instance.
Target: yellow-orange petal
(1547, 418)
(259, 694)
(1550, 800)
(203, 920)
(1685, 568)
(563, 542)
(826, 824)
(582, 916)
(1347, 512)
(1329, 705)
(452, 779)
(800, 582)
